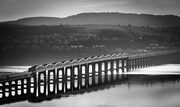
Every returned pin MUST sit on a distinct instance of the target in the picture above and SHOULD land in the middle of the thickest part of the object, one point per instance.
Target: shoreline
(23, 58)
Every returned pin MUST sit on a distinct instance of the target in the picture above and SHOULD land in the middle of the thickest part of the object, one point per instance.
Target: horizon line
(87, 13)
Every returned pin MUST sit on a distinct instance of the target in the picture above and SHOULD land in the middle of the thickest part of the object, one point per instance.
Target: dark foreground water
(152, 87)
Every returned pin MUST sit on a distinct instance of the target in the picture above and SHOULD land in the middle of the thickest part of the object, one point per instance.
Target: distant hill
(104, 19)
(37, 21)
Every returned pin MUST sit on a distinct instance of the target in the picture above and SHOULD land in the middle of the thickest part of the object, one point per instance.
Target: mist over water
(14, 68)
(162, 69)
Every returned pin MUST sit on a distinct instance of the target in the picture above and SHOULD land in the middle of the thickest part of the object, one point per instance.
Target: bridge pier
(155, 60)
(135, 63)
(111, 69)
(56, 79)
(117, 68)
(149, 61)
(100, 73)
(130, 64)
(106, 71)
(122, 67)
(152, 60)
(93, 74)
(145, 62)
(140, 62)
(22, 87)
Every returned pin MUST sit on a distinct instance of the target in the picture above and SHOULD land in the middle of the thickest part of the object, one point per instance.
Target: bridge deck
(12, 75)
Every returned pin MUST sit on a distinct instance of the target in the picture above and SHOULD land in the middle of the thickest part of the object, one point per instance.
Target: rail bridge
(42, 82)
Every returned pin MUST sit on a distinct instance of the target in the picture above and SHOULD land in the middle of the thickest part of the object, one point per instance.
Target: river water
(157, 86)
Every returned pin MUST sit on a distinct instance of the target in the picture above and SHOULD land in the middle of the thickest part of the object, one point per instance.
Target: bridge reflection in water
(59, 79)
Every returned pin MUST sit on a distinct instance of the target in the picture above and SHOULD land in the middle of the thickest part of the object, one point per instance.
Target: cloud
(12, 9)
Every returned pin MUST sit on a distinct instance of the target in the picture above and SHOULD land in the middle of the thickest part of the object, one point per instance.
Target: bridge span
(73, 76)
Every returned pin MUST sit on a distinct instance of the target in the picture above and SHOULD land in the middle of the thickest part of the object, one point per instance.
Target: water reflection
(116, 86)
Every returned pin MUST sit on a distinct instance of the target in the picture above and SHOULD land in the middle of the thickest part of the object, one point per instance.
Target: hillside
(104, 19)
(40, 44)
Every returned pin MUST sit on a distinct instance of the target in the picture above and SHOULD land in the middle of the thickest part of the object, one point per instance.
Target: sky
(15, 9)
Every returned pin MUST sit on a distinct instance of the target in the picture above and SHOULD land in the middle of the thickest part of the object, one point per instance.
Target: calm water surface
(151, 87)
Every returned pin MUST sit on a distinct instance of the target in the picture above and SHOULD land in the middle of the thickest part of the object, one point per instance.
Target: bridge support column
(136, 65)
(93, 74)
(141, 62)
(28, 87)
(9, 87)
(122, 68)
(80, 76)
(72, 79)
(130, 64)
(154, 60)
(22, 87)
(148, 61)
(127, 65)
(106, 71)
(151, 61)
(145, 64)
(112, 69)
(35, 84)
(86, 76)
(117, 69)
(99, 73)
